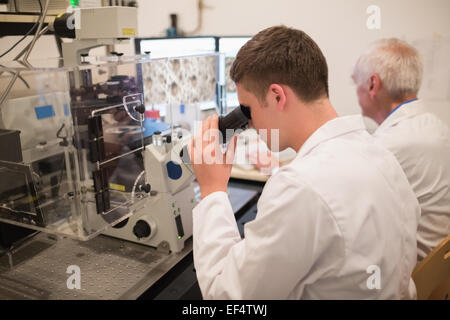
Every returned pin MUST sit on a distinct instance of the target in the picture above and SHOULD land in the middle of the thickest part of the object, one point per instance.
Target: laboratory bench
(111, 268)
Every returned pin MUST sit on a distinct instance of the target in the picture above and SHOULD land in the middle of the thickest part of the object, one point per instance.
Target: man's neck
(385, 106)
(395, 104)
(314, 116)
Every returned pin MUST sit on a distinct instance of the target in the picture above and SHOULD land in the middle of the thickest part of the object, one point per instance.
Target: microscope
(165, 221)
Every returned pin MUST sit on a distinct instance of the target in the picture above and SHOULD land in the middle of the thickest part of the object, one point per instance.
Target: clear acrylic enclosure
(71, 139)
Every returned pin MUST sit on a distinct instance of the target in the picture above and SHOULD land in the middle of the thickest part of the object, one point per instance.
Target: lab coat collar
(406, 111)
(330, 130)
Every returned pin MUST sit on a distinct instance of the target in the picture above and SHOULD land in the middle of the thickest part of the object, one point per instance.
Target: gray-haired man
(388, 78)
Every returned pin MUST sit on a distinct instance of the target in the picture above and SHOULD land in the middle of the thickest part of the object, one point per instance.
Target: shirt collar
(331, 129)
(406, 111)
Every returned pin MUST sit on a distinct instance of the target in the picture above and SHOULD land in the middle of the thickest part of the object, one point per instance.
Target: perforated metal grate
(109, 268)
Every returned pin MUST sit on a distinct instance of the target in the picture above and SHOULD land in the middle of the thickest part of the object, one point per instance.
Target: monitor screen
(181, 89)
(229, 47)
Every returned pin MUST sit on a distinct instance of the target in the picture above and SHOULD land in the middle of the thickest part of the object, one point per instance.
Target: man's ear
(374, 85)
(277, 96)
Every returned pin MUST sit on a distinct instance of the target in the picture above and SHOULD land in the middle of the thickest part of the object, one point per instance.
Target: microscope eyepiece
(236, 119)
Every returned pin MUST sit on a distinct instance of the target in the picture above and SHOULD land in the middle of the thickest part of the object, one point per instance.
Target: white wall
(338, 26)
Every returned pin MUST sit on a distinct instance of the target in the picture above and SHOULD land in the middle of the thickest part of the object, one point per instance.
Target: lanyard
(401, 104)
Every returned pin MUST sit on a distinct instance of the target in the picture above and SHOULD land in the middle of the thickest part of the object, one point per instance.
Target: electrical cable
(30, 47)
(64, 143)
(26, 35)
(12, 72)
(44, 30)
(38, 31)
(19, 41)
(200, 7)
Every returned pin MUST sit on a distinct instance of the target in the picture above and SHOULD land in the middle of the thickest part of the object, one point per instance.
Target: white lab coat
(341, 207)
(421, 144)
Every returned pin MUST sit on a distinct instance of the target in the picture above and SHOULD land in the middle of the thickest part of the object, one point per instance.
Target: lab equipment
(84, 157)
(87, 152)
(172, 31)
(173, 87)
(228, 127)
(93, 27)
(165, 221)
(69, 146)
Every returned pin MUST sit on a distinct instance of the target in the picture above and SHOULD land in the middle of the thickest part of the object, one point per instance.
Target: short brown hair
(285, 56)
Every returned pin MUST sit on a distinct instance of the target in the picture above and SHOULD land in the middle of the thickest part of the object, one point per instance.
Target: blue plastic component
(152, 125)
(66, 109)
(174, 170)
(44, 112)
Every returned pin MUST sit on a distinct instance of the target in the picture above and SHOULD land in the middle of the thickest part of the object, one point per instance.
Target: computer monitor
(229, 47)
(188, 68)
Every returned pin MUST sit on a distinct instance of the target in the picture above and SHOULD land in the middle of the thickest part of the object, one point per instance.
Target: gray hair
(398, 65)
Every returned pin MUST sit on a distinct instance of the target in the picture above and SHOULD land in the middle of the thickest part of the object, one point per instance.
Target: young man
(338, 222)
(388, 78)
